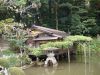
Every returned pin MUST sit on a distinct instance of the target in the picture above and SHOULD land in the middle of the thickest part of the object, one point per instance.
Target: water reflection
(50, 71)
(76, 67)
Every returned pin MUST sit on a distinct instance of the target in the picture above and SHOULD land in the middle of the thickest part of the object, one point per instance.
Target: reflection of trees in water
(50, 63)
(50, 71)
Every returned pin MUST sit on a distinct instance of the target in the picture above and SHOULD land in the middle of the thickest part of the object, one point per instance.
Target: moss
(4, 62)
(16, 71)
(1, 74)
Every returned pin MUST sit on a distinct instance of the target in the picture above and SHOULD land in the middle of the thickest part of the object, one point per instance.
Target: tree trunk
(56, 14)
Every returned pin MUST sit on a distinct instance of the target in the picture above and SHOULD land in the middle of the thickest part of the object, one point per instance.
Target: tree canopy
(74, 16)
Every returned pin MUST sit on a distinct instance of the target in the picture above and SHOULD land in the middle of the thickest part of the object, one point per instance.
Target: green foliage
(67, 43)
(61, 44)
(4, 62)
(82, 11)
(90, 22)
(25, 59)
(14, 61)
(78, 38)
(16, 44)
(77, 26)
(10, 60)
(44, 1)
(16, 71)
(7, 52)
(72, 15)
(37, 51)
(91, 27)
(66, 13)
(80, 47)
(9, 20)
(20, 2)
(50, 45)
(69, 5)
(4, 25)
(95, 45)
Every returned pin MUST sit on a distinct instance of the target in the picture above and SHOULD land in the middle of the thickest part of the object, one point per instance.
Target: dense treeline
(73, 16)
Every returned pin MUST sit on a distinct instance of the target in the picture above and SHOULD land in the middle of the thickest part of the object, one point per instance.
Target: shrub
(78, 38)
(14, 46)
(14, 61)
(4, 62)
(95, 45)
(37, 51)
(15, 71)
(1, 74)
(25, 59)
(7, 52)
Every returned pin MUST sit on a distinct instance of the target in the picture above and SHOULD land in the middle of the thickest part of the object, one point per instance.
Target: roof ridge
(46, 28)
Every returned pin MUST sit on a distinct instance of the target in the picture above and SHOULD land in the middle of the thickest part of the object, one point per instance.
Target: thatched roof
(54, 32)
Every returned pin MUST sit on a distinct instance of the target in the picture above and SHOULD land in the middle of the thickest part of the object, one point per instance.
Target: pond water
(78, 66)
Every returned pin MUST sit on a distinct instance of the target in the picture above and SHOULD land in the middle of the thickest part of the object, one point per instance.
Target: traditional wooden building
(39, 35)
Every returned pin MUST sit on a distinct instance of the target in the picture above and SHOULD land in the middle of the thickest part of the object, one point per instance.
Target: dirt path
(3, 44)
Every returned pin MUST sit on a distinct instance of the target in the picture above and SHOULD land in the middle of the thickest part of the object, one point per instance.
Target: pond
(78, 66)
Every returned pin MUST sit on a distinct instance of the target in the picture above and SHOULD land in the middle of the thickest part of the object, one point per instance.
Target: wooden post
(21, 57)
(85, 57)
(56, 17)
(89, 50)
(81, 53)
(58, 57)
(89, 58)
(1, 54)
(84, 52)
(68, 55)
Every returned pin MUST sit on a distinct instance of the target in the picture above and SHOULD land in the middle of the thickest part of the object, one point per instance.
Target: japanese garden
(49, 37)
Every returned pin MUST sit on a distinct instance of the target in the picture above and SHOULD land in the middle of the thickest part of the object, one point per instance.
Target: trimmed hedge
(16, 71)
(4, 62)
